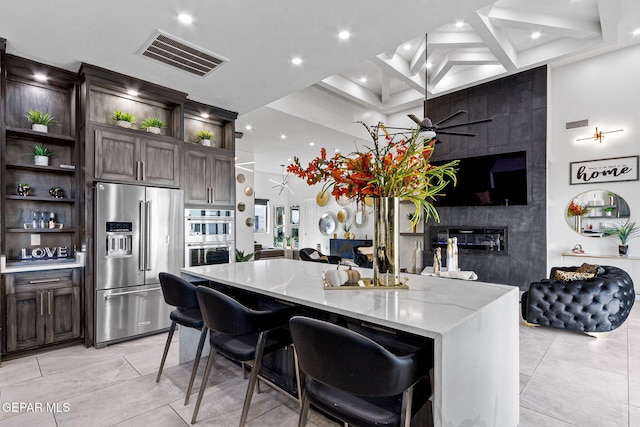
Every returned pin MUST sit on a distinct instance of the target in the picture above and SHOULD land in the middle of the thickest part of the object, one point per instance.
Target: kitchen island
(473, 325)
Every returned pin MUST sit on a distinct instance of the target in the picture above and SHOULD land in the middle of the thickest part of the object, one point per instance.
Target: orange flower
(393, 169)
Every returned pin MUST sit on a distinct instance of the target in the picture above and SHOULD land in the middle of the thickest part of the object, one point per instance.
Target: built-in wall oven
(209, 237)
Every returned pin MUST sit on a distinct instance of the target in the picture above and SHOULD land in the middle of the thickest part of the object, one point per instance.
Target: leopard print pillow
(570, 276)
(588, 268)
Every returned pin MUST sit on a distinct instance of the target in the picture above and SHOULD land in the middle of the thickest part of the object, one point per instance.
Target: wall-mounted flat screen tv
(494, 180)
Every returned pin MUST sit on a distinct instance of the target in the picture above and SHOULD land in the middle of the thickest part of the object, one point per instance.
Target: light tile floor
(566, 379)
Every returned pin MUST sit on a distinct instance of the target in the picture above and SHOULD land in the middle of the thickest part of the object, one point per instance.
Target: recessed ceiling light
(296, 61)
(40, 77)
(311, 144)
(337, 150)
(429, 65)
(406, 46)
(363, 79)
(459, 24)
(204, 115)
(248, 127)
(344, 35)
(636, 32)
(132, 92)
(185, 19)
(535, 35)
(288, 160)
(283, 136)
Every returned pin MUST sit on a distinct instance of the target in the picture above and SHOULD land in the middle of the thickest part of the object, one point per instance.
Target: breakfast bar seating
(462, 324)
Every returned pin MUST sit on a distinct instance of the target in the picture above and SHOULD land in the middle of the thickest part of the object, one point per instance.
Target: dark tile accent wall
(518, 106)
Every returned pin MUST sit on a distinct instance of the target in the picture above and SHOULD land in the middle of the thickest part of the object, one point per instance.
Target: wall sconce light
(599, 135)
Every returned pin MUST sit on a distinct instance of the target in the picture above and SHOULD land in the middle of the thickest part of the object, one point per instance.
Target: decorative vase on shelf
(41, 160)
(578, 223)
(419, 258)
(40, 128)
(623, 249)
(206, 142)
(412, 263)
(386, 256)
(123, 124)
(154, 130)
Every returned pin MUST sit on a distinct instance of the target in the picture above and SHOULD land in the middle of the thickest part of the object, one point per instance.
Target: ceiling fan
(285, 182)
(430, 129)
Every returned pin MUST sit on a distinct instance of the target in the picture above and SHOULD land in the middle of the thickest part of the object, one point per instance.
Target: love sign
(605, 170)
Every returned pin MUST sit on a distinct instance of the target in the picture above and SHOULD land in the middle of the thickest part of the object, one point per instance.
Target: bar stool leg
(196, 362)
(172, 329)
(304, 410)
(203, 386)
(262, 340)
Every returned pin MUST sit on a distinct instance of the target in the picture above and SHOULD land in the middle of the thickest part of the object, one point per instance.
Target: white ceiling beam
(458, 40)
(497, 43)
(439, 71)
(608, 10)
(404, 100)
(469, 77)
(461, 58)
(354, 92)
(554, 50)
(418, 59)
(547, 23)
(399, 68)
(385, 90)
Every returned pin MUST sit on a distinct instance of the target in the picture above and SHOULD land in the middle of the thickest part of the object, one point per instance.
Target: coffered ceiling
(258, 39)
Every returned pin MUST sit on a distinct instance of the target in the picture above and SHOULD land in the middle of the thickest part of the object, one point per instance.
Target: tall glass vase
(578, 223)
(386, 253)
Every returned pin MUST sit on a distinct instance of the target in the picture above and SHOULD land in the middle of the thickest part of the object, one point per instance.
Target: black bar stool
(182, 295)
(352, 377)
(241, 334)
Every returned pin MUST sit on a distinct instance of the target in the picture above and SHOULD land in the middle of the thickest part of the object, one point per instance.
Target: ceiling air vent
(576, 124)
(179, 54)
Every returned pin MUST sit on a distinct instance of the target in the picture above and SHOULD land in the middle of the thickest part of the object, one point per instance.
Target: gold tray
(368, 285)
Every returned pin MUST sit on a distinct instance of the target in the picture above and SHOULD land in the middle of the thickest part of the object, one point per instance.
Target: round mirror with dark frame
(590, 212)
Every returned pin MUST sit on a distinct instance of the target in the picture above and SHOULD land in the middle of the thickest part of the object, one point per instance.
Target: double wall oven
(208, 237)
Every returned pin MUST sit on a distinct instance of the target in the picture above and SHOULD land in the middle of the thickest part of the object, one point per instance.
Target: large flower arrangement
(576, 209)
(387, 169)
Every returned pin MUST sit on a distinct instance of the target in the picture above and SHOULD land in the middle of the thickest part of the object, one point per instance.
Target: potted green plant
(124, 120)
(42, 154)
(241, 257)
(608, 211)
(39, 121)
(625, 232)
(204, 137)
(347, 231)
(152, 125)
(23, 189)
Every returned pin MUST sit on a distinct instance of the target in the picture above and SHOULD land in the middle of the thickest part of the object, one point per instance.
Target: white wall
(244, 233)
(604, 90)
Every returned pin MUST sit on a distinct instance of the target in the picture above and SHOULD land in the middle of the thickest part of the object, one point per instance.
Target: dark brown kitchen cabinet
(42, 308)
(127, 156)
(208, 175)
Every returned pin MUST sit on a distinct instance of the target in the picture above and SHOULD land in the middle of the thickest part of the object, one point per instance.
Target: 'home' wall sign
(605, 170)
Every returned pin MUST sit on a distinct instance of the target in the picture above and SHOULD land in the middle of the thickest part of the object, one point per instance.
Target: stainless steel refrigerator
(139, 233)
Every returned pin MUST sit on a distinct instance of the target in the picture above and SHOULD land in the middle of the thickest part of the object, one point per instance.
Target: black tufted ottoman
(597, 305)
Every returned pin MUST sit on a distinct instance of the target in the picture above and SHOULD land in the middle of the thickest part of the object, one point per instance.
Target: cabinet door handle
(42, 303)
(142, 171)
(35, 282)
(49, 302)
(213, 196)
(137, 170)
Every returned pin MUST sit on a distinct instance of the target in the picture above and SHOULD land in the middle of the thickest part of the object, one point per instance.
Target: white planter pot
(41, 160)
(40, 128)
(123, 124)
(154, 130)
(206, 142)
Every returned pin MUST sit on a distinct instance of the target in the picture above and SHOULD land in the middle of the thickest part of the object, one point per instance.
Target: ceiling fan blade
(444, 132)
(275, 182)
(397, 128)
(415, 119)
(456, 114)
(473, 122)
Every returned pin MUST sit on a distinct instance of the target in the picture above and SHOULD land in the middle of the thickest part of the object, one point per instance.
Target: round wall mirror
(248, 191)
(327, 223)
(360, 218)
(589, 213)
(249, 222)
(240, 178)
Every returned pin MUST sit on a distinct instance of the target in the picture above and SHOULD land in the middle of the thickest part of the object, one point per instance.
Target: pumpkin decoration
(352, 276)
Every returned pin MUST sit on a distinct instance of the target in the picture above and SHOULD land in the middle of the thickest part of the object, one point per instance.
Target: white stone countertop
(430, 307)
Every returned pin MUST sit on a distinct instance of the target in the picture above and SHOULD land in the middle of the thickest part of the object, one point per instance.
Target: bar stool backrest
(346, 360)
(178, 292)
